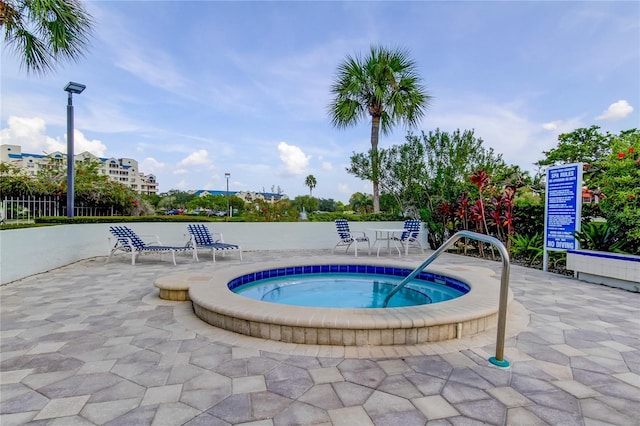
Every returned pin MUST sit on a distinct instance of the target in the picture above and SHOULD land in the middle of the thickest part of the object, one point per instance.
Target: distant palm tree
(385, 86)
(360, 202)
(311, 182)
(45, 33)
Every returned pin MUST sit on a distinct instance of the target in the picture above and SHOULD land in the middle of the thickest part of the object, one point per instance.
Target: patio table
(388, 235)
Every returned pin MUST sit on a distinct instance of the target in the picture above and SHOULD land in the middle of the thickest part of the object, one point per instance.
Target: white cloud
(327, 166)
(507, 130)
(183, 184)
(152, 166)
(30, 134)
(81, 143)
(196, 158)
(616, 111)
(344, 189)
(294, 159)
(552, 125)
(130, 51)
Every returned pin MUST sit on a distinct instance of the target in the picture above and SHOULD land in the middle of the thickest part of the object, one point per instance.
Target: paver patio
(91, 343)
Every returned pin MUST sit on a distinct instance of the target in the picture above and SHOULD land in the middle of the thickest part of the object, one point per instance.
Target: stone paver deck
(91, 343)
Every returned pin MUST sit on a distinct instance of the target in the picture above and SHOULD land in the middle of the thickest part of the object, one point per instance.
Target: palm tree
(385, 86)
(45, 33)
(360, 202)
(311, 182)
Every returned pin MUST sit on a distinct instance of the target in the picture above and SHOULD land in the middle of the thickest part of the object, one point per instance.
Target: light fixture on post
(71, 88)
(228, 175)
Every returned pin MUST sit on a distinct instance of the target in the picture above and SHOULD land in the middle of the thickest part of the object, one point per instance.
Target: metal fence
(26, 210)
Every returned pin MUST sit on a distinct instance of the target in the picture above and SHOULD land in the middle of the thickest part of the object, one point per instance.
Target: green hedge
(131, 219)
(331, 216)
(312, 217)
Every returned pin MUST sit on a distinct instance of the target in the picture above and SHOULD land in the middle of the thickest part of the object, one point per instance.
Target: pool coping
(467, 315)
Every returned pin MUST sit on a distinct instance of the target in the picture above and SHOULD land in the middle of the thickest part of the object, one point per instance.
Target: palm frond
(45, 33)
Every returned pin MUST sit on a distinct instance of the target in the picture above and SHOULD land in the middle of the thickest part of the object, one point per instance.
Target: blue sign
(563, 206)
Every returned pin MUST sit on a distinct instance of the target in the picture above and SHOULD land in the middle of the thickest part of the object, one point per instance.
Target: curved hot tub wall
(469, 314)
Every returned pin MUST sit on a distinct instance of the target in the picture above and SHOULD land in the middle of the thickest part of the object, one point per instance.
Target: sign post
(562, 210)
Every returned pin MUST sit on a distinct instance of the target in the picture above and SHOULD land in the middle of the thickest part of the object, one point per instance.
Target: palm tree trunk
(375, 134)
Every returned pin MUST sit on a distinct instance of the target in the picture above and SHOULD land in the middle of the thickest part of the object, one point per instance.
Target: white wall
(28, 251)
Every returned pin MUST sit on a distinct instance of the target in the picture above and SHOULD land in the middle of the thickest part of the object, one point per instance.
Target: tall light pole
(71, 88)
(228, 175)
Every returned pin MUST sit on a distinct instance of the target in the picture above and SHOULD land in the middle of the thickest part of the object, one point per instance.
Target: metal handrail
(504, 284)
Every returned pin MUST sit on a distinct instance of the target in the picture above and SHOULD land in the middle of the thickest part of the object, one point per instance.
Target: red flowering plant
(462, 210)
(508, 196)
(462, 214)
(481, 179)
(496, 215)
(476, 213)
(444, 208)
(620, 181)
(272, 211)
(445, 211)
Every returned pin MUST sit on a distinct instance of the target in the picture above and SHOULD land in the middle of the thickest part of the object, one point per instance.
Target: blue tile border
(356, 269)
(605, 255)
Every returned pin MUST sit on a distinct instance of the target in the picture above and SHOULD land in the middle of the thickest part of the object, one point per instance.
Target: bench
(176, 286)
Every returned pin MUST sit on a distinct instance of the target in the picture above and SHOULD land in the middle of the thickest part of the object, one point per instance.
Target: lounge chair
(410, 235)
(202, 238)
(347, 238)
(130, 242)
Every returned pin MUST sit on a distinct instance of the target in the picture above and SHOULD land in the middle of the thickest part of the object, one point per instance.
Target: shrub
(599, 236)
(529, 219)
(527, 247)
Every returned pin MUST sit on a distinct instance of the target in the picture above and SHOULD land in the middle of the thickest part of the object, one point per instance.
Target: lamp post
(228, 175)
(71, 88)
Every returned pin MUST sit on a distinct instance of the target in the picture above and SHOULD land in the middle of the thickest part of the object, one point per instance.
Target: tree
(311, 182)
(450, 158)
(384, 86)
(45, 33)
(208, 201)
(237, 203)
(14, 183)
(401, 169)
(175, 199)
(306, 202)
(327, 205)
(277, 211)
(92, 188)
(581, 145)
(619, 179)
(153, 199)
(276, 190)
(389, 203)
(360, 202)
(612, 163)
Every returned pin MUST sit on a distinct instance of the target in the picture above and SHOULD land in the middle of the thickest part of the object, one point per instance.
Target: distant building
(592, 196)
(122, 170)
(247, 196)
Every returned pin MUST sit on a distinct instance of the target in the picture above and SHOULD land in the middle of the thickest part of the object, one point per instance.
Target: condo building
(122, 170)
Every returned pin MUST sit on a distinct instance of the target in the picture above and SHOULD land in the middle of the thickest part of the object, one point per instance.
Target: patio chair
(409, 236)
(347, 238)
(202, 238)
(130, 242)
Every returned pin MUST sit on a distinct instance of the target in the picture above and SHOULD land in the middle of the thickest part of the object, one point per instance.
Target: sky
(196, 89)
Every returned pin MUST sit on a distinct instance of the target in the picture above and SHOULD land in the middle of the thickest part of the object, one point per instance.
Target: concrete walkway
(93, 344)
